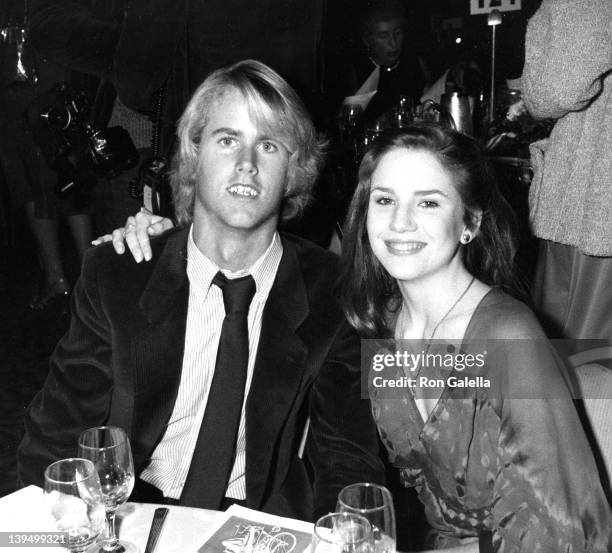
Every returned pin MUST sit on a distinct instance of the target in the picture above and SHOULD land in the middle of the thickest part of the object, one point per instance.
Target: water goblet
(374, 502)
(108, 447)
(342, 533)
(74, 498)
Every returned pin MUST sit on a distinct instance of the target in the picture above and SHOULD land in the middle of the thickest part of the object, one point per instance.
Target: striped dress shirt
(205, 313)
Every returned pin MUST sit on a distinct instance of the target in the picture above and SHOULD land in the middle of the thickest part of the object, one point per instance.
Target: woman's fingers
(136, 234)
(155, 229)
(159, 225)
(101, 239)
(117, 239)
(138, 239)
(121, 234)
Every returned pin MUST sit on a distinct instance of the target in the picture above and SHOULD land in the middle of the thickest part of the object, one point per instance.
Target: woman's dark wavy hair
(369, 293)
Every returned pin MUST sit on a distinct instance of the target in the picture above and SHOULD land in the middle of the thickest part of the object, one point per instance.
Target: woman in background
(427, 255)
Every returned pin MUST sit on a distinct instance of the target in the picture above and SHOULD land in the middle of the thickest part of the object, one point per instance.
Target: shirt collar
(386, 68)
(201, 270)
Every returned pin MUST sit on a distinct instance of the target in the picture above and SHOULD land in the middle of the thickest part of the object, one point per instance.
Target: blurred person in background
(568, 77)
(31, 180)
(385, 65)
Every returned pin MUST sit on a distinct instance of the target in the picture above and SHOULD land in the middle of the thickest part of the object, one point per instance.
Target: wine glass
(74, 498)
(342, 533)
(350, 117)
(403, 112)
(108, 447)
(374, 502)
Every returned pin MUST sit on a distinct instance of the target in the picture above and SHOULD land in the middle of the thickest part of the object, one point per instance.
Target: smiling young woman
(428, 251)
(426, 213)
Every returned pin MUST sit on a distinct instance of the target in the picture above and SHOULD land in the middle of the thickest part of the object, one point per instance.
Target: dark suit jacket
(121, 360)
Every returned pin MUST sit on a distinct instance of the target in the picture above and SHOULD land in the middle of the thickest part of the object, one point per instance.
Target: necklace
(455, 304)
(452, 307)
(450, 311)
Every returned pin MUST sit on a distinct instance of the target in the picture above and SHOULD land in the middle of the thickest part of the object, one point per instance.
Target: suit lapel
(278, 373)
(157, 349)
(168, 281)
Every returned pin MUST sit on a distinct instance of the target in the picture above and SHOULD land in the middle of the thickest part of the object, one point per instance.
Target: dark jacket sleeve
(343, 445)
(77, 392)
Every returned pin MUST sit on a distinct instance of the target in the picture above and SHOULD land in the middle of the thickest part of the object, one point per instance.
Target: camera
(83, 151)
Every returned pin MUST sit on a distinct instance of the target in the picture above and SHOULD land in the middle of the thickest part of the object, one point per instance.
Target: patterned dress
(508, 465)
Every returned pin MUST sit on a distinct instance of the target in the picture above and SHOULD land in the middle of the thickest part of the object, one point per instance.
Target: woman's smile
(404, 247)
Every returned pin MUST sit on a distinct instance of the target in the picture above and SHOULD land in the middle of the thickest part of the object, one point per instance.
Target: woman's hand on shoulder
(136, 233)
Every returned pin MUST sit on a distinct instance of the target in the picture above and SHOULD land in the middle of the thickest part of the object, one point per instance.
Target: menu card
(242, 530)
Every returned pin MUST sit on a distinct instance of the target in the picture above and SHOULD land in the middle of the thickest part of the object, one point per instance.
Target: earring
(466, 237)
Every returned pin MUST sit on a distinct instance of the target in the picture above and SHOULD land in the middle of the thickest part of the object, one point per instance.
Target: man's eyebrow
(227, 130)
(235, 132)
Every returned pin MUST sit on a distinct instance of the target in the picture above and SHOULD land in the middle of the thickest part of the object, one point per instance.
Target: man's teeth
(240, 190)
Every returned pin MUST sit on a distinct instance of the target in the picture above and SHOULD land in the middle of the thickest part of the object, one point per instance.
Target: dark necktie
(215, 449)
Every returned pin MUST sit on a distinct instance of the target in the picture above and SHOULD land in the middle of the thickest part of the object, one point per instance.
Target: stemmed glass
(342, 533)
(374, 502)
(349, 124)
(403, 112)
(109, 449)
(350, 117)
(74, 498)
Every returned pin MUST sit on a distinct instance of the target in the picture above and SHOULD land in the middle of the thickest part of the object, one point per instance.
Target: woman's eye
(269, 147)
(383, 200)
(429, 203)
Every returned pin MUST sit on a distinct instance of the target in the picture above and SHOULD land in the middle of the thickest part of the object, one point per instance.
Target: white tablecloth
(184, 530)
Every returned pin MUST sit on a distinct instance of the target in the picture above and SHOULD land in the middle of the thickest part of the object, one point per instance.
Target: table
(184, 530)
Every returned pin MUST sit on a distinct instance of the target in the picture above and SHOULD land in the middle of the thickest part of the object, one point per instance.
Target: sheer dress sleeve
(547, 495)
